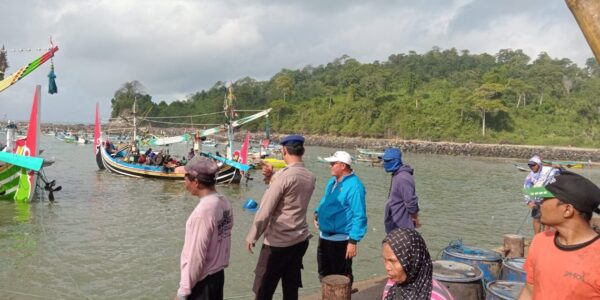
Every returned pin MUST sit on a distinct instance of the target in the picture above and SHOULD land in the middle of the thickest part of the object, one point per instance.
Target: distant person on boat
(147, 153)
(564, 262)
(538, 177)
(402, 207)
(409, 268)
(191, 154)
(282, 219)
(150, 158)
(207, 244)
(341, 218)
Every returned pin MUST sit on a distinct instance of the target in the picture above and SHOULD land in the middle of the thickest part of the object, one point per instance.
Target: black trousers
(331, 259)
(276, 263)
(209, 288)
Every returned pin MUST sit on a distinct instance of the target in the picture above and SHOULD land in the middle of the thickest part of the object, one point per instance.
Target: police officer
(282, 219)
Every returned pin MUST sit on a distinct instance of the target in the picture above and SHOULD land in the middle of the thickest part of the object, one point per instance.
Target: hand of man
(316, 223)
(249, 247)
(267, 171)
(350, 250)
(531, 204)
(415, 220)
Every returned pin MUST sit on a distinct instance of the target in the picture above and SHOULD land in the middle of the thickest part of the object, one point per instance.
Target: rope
(177, 123)
(523, 223)
(191, 116)
(27, 50)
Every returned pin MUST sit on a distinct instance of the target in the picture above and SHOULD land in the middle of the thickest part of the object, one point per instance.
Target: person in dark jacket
(402, 208)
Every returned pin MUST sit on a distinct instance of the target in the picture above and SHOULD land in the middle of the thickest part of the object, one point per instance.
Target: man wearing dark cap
(207, 243)
(282, 219)
(402, 207)
(564, 263)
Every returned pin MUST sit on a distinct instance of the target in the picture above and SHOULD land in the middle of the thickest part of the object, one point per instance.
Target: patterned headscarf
(411, 251)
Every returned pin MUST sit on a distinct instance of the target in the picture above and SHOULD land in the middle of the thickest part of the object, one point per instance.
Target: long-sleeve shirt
(402, 200)
(342, 210)
(282, 212)
(207, 243)
(542, 177)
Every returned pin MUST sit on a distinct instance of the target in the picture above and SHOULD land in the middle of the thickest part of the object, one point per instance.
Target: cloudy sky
(177, 47)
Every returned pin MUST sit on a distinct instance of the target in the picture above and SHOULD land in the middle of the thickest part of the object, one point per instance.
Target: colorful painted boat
(565, 164)
(229, 171)
(276, 163)
(19, 169)
(24, 71)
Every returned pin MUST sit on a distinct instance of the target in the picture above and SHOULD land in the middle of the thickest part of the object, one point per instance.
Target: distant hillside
(441, 95)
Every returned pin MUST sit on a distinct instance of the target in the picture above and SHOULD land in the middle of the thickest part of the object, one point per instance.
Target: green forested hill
(440, 95)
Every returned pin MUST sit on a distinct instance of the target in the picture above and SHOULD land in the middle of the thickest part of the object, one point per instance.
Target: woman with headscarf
(409, 268)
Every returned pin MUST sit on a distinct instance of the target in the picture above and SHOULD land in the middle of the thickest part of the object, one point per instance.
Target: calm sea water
(109, 237)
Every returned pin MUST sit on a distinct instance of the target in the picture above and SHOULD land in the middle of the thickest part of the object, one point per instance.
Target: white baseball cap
(340, 156)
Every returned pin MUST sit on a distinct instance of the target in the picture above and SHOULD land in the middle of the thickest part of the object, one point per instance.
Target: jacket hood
(405, 168)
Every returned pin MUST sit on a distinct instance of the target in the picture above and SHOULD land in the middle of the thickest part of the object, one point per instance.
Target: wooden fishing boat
(227, 174)
(122, 165)
(565, 164)
(368, 156)
(230, 171)
(522, 168)
(20, 164)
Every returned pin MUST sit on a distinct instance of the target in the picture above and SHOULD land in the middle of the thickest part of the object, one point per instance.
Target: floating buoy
(251, 205)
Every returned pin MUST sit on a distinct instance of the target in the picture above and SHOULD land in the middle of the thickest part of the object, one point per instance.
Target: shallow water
(109, 236)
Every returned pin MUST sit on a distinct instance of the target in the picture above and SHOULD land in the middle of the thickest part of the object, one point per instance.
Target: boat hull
(15, 183)
(226, 174)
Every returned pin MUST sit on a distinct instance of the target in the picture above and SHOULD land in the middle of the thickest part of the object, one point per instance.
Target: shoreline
(459, 149)
(561, 153)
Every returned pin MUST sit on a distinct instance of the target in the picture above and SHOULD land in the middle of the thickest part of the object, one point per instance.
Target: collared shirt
(282, 212)
(207, 243)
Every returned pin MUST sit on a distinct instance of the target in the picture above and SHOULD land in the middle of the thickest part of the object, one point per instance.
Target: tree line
(440, 95)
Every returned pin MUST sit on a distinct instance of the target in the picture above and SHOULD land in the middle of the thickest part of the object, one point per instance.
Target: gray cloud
(175, 48)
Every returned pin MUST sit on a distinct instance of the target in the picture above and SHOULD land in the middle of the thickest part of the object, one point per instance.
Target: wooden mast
(587, 15)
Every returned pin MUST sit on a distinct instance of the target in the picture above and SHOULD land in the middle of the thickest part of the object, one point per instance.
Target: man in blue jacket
(341, 218)
(402, 208)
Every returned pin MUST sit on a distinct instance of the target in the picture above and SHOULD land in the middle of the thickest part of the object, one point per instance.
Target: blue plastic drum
(462, 280)
(488, 261)
(512, 270)
(503, 290)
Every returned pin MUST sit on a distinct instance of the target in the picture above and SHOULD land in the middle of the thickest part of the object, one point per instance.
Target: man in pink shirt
(207, 243)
